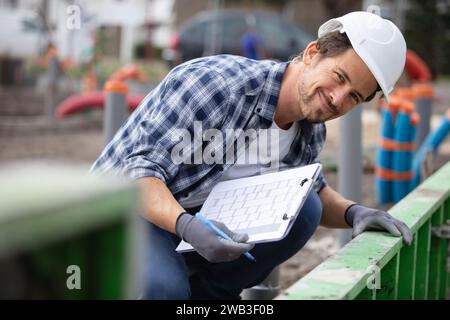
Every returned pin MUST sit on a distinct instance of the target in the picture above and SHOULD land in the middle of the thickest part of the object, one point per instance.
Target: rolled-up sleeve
(143, 146)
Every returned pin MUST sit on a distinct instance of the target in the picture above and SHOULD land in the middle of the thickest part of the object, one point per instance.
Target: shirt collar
(268, 98)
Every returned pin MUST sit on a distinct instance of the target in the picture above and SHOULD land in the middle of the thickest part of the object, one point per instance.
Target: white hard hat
(377, 41)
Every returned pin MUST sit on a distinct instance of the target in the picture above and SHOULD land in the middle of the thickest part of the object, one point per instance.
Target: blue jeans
(170, 275)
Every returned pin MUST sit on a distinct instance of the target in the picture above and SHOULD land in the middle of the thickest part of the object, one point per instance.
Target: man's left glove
(362, 218)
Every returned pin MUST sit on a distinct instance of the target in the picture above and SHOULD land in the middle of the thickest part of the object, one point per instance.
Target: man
(252, 44)
(355, 56)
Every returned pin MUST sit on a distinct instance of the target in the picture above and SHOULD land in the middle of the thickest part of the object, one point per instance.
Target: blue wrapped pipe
(383, 186)
(402, 157)
(432, 142)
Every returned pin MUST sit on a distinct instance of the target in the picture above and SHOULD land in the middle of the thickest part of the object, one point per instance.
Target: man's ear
(310, 52)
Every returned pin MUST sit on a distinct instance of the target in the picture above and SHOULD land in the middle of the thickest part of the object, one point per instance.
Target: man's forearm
(159, 205)
(334, 206)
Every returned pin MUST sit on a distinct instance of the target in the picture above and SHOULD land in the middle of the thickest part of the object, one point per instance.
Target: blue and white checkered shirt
(223, 92)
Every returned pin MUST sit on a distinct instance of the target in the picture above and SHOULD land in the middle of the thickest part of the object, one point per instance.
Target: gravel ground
(27, 134)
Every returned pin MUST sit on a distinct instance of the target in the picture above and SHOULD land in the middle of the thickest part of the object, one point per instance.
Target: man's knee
(165, 274)
(312, 210)
(167, 287)
(309, 217)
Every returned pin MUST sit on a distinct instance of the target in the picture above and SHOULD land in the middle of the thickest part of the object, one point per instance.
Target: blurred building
(28, 25)
(123, 25)
(309, 14)
(14, 39)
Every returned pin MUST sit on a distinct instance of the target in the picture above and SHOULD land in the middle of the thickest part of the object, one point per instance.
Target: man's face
(329, 87)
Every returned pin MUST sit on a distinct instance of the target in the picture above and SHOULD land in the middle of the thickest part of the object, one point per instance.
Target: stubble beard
(313, 115)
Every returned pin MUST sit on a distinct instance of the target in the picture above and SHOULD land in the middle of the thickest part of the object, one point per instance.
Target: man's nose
(338, 96)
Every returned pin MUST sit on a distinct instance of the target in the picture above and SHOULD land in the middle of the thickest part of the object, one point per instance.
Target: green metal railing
(378, 266)
(52, 217)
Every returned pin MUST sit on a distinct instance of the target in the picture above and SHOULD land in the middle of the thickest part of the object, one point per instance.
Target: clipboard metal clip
(303, 182)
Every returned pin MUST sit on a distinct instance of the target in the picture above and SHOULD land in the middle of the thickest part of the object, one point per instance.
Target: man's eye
(340, 77)
(355, 97)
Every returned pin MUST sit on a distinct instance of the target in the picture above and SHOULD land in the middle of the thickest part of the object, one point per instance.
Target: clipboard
(264, 206)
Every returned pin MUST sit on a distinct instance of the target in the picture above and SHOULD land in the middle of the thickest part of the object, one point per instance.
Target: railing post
(389, 280)
(52, 85)
(115, 111)
(407, 272)
(447, 270)
(350, 162)
(435, 257)
(423, 258)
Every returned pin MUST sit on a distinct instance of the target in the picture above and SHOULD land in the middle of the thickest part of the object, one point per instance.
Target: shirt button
(258, 109)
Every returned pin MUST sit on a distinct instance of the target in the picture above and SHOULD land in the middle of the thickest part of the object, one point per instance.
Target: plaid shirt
(223, 92)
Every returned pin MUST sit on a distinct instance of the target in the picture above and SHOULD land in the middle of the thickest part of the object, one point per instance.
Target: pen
(220, 232)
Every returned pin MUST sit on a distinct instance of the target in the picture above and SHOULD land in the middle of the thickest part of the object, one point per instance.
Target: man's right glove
(362, 218)
(207, 243)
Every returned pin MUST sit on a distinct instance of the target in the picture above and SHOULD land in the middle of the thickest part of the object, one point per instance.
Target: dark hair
(332, 44)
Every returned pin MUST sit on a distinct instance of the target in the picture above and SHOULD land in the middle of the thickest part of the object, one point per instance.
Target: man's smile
(326, 103)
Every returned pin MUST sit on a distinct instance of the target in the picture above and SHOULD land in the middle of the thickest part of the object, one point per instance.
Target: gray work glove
(362, 218)
(207, 243)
